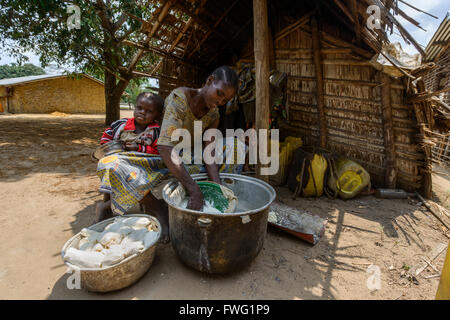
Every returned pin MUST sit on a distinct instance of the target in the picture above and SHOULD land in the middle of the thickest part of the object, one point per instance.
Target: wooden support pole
(391, 170)
(261, 49)
(319, 79)
(426, 172)
(354, 8)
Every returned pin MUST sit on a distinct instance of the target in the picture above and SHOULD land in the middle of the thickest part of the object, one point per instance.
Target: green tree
(96, 48)
(14, 70)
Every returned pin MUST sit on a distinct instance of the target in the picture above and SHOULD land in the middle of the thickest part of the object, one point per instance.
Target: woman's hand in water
(131, 146)
(195, 200)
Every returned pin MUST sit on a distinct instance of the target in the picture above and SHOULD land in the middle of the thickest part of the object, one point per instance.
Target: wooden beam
(344, 10)
(426, 172)
(174, 44)
(261, 49)
(156, 25)
(414, 22)
(344, 43)
(158, 51)
(418, 9)
(354, 8)
(199, 44)
(327, 61)
(391, 170)
(292, 27)
(244, 27)
(376, 48)
(319, 79)
(400, 28)
(188, 9)
(308, 50)
(160, 77)
(422, 97)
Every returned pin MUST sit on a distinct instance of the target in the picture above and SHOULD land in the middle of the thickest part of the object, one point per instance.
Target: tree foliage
(96, 48)
(14, 70)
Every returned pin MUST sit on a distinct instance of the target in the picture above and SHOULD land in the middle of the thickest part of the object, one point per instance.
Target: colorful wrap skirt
(129, 176)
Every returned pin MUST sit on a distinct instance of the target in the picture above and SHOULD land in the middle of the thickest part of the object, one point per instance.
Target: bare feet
(163, 218)
(102, 212)
(158, 209)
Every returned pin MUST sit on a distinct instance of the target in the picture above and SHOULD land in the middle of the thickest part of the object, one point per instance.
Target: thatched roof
(440, 40)
(207, 33)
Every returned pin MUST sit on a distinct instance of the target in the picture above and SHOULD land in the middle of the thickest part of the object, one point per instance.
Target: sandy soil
(48, 192)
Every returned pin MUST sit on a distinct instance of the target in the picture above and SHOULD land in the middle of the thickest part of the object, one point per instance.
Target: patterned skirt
(129, 176)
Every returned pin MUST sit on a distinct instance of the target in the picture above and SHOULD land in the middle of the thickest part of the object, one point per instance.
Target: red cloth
(129, 125)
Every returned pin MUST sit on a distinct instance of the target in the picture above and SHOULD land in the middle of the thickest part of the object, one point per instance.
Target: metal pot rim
(106, 222)
(172, 184)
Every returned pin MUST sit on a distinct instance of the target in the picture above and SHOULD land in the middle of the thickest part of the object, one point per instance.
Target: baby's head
(148, 108)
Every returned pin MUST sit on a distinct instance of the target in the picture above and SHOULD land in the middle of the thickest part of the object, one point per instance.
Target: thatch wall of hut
(175, 74)
(353, 108)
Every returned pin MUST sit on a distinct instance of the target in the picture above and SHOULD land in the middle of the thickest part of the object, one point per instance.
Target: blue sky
(438, 8)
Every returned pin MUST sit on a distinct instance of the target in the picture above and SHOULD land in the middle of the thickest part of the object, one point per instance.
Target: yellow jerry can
(287, 149)
(318, 167)
(352, 178)
(443, 292)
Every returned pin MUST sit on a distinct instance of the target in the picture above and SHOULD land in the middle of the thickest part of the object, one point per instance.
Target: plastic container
(287, 149)
(352, 178)
(318, 167)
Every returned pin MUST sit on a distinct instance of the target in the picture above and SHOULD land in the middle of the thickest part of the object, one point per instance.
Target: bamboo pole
(391, 172)
(354, 8)
(289, 29)
(422, 97)
(156, 25)
(418, 9)
(319, 79)
(261, 50)
(174, 44)
(427, 183)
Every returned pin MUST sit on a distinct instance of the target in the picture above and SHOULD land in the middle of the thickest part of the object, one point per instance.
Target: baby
(141, 132)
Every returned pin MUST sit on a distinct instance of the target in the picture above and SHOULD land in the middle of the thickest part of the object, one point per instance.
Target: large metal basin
(118, 276)
(222, 243)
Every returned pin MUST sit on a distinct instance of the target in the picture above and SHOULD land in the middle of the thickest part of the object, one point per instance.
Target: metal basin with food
(107, 149)
(226, 242)
(117, 276)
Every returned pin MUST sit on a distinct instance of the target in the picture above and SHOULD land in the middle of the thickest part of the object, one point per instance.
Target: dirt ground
(48, 192)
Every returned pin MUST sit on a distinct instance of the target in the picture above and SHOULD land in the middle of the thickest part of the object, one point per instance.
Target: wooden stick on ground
(429, 263)
(438, 250)
(432, 211)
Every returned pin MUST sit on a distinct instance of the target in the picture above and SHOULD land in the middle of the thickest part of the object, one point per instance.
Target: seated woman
(182, 107)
